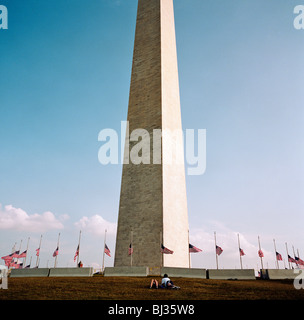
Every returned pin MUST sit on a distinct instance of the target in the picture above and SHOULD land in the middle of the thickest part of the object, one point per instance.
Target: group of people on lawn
(166, 283)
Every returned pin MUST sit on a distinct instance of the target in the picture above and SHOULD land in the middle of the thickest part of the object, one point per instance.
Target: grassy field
(125, 288)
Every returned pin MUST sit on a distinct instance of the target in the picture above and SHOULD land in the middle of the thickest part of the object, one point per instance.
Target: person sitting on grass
(167, 283)
(154, 282)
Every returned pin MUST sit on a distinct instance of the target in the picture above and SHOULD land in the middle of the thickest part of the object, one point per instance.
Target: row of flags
(218, 251)
(295, 260)
(15, 255)
(163, 249)
(12, 260)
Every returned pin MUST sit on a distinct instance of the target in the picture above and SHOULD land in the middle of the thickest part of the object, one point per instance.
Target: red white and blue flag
(279, 256)
(299, 261)
(8, 258)
(193, 249)
(242, 253)
(22, 255)
(56, 252)
(8, 263)
(76, 253)
(165, 250)
(107, 250)
(218, 250)
(16, 254)
(290, 259)
(260, 253)
(130, 251)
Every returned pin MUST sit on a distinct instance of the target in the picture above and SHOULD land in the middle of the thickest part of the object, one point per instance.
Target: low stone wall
(71, 272)
(36, 272)
(184, 272)
(126, 272)
(277, 274)
(235, 274)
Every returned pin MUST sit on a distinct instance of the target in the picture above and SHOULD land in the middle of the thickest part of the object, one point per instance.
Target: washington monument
(153, 202)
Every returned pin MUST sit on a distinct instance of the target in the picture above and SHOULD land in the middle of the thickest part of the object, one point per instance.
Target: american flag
(56, 252)
(260, 253)
(16, 254)
(165, 250)
(8, 258)
(37, 252)
(130, 251)
(242, 253)
(193, 248)
(76, 253)
(107, 250)
(22, 255)
(279, 257)
(299, 261)
(8, 263)
(218, 250)
(290, 259)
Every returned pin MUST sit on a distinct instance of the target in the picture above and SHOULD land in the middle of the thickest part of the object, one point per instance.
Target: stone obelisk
(153, 201)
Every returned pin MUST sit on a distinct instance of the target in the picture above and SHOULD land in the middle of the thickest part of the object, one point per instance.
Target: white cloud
(12, 218)
(96, 225)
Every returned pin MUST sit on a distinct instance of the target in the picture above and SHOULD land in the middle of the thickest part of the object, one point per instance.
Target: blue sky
(65, 76)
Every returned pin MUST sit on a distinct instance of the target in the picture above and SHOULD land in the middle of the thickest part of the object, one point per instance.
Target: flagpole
(39, 252)
(131, 242)
(78, 248)
(240, 251)
(24, 260)
(30, 261)
(260, 250)
(162, 255)
(189, 251)
(275, 249)
(55, 263)
(19, 250)
(215, 250)
(14, 247)
(287, 255)
(104, 245)
(294, 254)
(20, 246)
